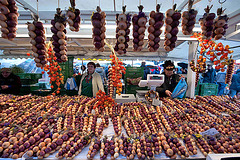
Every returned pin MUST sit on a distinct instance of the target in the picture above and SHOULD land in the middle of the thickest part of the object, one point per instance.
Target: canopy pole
(191, 76)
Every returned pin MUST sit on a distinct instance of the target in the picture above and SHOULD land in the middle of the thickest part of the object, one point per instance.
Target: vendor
(91, 82)
(170, 80)
(10, 83)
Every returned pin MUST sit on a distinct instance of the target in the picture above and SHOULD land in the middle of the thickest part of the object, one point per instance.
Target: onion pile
(171, 29)
(59, 36)
(154, 29)
(116, 120)
(99, 129)
(230, 70)
(199, 68)
(206, 23)
(220, 25)
(168, 146)
(139, 26)
(203, 146)
(190, 145)
(104, 151)
(74, 19)
(188, 19)
(99, 29)
(37, 33)
(126, 148)
(73, 15)
(8, 19)
(122, 32)
(94, 148)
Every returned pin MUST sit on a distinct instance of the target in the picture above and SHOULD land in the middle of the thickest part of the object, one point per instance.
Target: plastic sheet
(180, 89)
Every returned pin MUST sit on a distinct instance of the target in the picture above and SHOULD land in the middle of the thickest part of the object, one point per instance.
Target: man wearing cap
(210, 75)
(170, 80)
(10, 83)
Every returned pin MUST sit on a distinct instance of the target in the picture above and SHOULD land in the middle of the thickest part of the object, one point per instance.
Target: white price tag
(210, 132)
(225, 114)
(156, 102)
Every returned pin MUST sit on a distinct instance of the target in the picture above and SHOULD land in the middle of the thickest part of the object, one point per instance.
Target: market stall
(144, 123)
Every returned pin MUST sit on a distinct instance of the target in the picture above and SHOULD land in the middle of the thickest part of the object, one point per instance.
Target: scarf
(88, 77)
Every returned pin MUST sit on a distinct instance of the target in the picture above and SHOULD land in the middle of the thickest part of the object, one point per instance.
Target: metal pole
(191, 76)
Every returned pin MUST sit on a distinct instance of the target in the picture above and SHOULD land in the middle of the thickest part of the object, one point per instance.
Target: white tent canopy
(80, 43)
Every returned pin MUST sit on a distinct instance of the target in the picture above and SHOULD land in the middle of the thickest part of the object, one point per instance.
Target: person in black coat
(10, 83)
(170, 80)
(146, 70)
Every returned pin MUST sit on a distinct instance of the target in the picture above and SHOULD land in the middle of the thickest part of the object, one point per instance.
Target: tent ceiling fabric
(80, 44)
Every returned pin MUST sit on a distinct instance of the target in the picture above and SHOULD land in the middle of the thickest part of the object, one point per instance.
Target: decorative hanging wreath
(148, 98)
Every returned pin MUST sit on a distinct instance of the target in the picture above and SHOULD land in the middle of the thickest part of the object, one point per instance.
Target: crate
(131, 89)
(34, 87)
(28, 81)
(41, 92)
(134, 72)
(30, 75)
(197, 89)
(208, 89)
(67, 68)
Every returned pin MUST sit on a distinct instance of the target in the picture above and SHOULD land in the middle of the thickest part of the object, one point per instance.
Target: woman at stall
(10, 83)
(91, 82)
(170, 80)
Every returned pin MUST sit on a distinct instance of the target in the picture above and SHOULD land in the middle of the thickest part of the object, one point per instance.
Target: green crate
(36, 75)
(67, 68)
(131, 89)
(197, 89)
(24, 75)
(40, 92)
(134, 72)
(34, 87)
(30, 75)
(208, 89)
(25, 89)
(28, 81)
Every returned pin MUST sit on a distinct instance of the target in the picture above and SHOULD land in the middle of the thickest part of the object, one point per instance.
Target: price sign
(210, 132)
(156, 102)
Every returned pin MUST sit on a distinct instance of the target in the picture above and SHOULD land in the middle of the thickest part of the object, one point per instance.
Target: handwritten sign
(210, 132)
(156, 102)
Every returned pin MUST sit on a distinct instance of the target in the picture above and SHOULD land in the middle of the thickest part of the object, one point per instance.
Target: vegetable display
(8, 19)
(37, 35)
(155, 24)
(74, 18)
(188, 19)
(171, 28)
(122, 32)
(59, 36)
(99, 29)
(139, 26)
(116, 70)
(207, 23)
(220, 25)
(41, 126)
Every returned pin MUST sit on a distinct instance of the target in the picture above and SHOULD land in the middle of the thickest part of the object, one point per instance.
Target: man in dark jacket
(170, 80)
(10, 83)
(210, 75)
(235, 84)
(146, 70)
